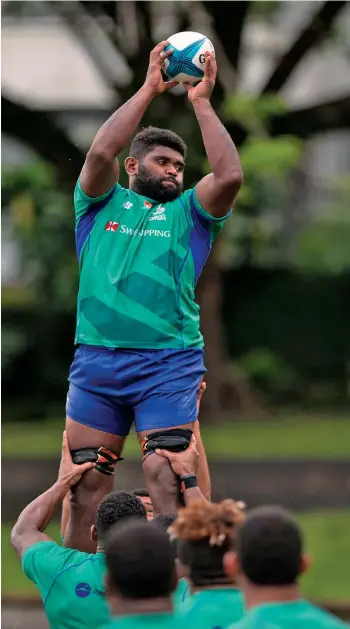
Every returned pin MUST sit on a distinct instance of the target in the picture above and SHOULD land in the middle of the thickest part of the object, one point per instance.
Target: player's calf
(94, 485)
(162, 483)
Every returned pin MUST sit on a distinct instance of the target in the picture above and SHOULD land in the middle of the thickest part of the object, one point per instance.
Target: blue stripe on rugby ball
(181, 60)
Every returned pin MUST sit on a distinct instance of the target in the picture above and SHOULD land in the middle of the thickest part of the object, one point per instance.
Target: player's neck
(258, 595)
(129, 607)
(224, 585)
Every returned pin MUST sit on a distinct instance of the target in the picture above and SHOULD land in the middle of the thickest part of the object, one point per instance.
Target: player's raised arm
(101, 169)
(30, 526)
(216, 192)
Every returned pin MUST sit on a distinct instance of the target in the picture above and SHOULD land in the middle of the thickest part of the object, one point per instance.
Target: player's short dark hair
(140, 560)
(150, 137)
(269, 547)
(164, 520)
(115, 507)
(141, 493)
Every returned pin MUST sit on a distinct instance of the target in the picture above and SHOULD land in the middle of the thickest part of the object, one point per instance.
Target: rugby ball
(186, 63)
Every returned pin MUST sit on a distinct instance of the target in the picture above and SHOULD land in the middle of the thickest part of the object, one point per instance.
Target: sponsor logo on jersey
(127, 205)
(159, 233)
(147, 205)
(83, 590)
(158, 214)
(112, 226)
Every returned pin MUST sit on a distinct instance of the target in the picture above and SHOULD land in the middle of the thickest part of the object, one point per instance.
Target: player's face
(146, 501)
(160, 175)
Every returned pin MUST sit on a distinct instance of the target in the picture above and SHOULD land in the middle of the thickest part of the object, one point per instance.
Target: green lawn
(328, 542)
(292, 435)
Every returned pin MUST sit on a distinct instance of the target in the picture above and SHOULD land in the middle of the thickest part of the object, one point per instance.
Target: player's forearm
(117, 132)
(220, 149)
(39, 513)
(194, 493)
(203, 474)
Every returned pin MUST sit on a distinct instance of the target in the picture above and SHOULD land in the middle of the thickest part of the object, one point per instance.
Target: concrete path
(21, 617)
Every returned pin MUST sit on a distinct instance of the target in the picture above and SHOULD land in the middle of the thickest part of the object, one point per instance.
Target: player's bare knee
(157, 469)
(161, 482)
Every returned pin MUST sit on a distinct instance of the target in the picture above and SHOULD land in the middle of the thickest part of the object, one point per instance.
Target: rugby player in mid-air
(141, 251)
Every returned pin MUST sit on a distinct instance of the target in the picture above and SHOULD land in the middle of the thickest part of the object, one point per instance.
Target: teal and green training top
(71, 584)
(215, 608)
(298, 614)
(139, 263)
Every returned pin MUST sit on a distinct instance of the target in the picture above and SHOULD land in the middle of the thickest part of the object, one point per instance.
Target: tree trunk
(227, 388)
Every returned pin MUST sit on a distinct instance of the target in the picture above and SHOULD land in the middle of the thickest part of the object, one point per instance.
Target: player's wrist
(188, 481)
(149, 90)
(63, 486)
(201, 102)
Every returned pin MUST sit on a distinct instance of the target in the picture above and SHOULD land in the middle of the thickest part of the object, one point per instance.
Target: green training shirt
(71, 584)
(147, 621)
(181, 593)
(139, 262)
(213, 609)
(292, 615)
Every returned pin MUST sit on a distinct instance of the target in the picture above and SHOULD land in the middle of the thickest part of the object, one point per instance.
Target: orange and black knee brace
(105, 460)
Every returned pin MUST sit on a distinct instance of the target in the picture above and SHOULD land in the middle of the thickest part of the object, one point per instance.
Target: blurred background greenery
(275, 294)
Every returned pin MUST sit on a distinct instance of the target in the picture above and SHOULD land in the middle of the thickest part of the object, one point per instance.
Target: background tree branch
(311, 35)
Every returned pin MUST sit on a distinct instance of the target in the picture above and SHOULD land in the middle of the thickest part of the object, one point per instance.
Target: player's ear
(231, 564)
(305, 564)
(131, 166)
(93, 533)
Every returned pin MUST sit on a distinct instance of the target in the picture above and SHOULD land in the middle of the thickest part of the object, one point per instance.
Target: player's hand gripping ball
(187, 62)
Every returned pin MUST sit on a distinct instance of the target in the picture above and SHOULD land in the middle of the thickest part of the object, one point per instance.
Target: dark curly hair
(150, 137)
(164, 520)
(141, 493)
(115, 507)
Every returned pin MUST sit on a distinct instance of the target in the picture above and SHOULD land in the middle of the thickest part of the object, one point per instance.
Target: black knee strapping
(105, 459)
(175, 440)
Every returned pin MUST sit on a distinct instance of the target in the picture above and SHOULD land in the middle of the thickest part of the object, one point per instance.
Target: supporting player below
(267, 565)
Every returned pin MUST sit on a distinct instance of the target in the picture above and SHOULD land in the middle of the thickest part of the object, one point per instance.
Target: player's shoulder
(325, 619)
(51, 551)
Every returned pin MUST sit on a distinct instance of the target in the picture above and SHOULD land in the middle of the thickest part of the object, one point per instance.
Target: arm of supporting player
(32, 522)
(216, 192)
(184, 464)
(203, 473)
(34, 519)
(101, 170)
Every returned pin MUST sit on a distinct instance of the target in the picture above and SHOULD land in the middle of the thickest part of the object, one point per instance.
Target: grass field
(291, 435)
(328, 542)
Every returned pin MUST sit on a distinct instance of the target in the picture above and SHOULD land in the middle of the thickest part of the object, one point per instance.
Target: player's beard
(152, 187)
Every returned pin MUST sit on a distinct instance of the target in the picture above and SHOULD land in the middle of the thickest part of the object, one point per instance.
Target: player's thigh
(95, 420)
(163, 411)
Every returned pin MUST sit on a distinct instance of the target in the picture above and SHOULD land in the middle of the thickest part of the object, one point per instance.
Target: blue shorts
(110, 388)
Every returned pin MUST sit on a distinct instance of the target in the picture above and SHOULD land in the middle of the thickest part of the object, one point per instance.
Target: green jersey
(181, 593)
(292, 615)
(146, 621)
(71, 584)
(139, 262)
(213, 609)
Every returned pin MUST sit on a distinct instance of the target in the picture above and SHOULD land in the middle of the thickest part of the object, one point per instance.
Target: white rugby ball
(186, 63)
